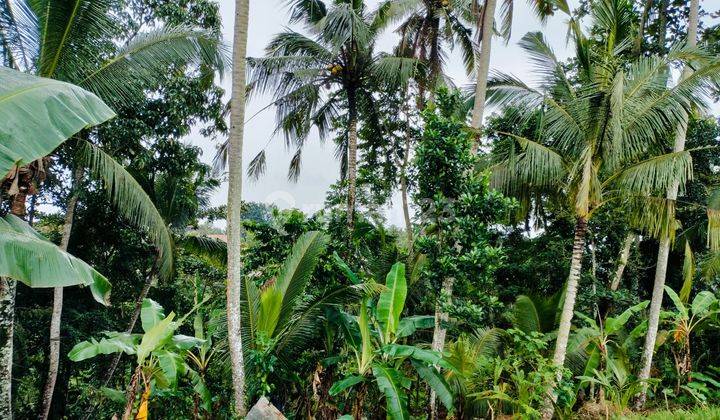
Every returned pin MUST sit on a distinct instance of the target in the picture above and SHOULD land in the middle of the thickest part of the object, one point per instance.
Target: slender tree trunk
(131, 393)
(439, 333)
(7, 312)
(664, 250)
(623, 260)
(570, 293)
(234, 206)
(352, 168)
(483, 66)
(56, 318)
(641, 27)
(8, 288)
(404, 182)
(568, 306)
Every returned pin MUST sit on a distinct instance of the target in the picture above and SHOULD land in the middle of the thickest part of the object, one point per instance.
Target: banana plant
(160, 353)
(685, 321)
(603, 343)
(375, 336)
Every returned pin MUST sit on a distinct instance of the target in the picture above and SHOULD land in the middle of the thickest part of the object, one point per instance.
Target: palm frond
(656, 174)
(395, 71)
(19, 33)
(652, 215)
(131, 201)
(308, 318)
(70, 33)
(537, 166)
(257, 166)
(211, 249)
(145, 61)
(342, 25)
(297, 270)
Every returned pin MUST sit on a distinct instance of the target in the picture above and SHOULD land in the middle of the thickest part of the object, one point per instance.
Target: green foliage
(378, 353)
(40, 114)
(30, 258)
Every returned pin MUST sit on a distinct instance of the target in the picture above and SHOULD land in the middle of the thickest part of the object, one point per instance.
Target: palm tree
(485, 28)
(234, 205)
(665, 241)
(61, 42)
(325, 78)
(600, 124)
(429, 28)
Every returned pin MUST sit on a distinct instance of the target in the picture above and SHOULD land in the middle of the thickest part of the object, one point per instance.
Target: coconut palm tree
(234, 205)
(602, 127)
(325, 78)
(665, 241)
(63, 41)
(485, 29)
(429, 29)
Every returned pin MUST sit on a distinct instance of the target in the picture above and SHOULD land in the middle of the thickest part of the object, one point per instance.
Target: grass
(707, 413)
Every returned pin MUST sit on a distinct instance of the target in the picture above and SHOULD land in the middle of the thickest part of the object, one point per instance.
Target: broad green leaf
(28, 257)
(392, 384)
(430, 357)
(410, 324)
(158, 334)
(366, 351)
(688, 273)
(114, 343)
(114, 395)
(344, 384)
(436, 382)
(613, 324)
(201, 389)
(172, 365)
(702, 302)
(676, 300)
(354, 279)
(185, 342)
(391, 302)
(39, 114)
(150, 314)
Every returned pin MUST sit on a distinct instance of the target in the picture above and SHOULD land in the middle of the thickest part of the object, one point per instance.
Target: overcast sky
(319, 166)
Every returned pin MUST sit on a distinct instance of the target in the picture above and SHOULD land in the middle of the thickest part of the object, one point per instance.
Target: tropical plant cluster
(558, 255)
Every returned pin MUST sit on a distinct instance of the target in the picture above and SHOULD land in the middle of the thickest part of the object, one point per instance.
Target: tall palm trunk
(568, 308)
(352, 162)
(570, 293)
(641, 27)
(8, 288)
(56, 318)
(234, 226)
(404, 181)
(7, 313)
(439, 333)
(664, 250)
(623, 260)
(483, 66)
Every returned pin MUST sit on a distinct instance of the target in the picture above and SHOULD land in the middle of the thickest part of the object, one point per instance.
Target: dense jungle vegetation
(558, 257)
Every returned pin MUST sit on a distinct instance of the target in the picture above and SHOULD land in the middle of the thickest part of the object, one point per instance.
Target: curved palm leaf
(39, 114)
(28, 257)
(148, 56)
(131, 201)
